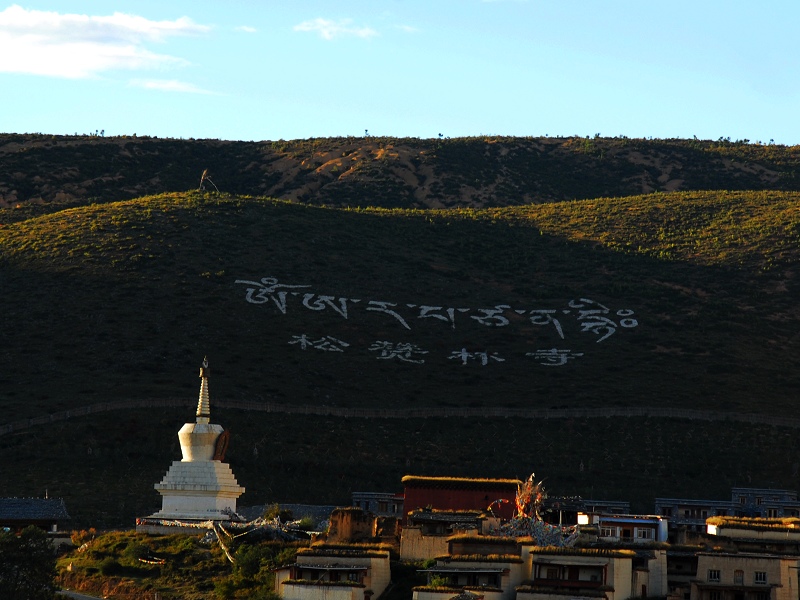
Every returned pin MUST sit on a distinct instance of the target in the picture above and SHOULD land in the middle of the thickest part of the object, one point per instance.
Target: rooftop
(757, 524)
(33, 509)
(459, 482)
(447, 516)
(565, 551)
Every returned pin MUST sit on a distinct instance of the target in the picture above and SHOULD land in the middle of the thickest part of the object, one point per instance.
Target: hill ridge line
(413, 413)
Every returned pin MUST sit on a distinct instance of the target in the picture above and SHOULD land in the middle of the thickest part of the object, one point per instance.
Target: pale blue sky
(266, 70)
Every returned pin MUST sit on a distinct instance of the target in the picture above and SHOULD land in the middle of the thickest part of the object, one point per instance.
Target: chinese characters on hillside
(592, 318)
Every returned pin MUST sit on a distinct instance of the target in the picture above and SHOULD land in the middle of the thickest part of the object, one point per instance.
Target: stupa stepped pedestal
(200, 487)
(204, 490)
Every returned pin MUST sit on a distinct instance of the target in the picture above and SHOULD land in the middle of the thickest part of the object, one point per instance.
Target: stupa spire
(203, 403)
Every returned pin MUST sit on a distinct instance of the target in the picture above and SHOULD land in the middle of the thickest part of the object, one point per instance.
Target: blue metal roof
(32, 509)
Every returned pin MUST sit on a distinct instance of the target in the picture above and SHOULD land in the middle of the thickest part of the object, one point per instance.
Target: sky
(291, 69)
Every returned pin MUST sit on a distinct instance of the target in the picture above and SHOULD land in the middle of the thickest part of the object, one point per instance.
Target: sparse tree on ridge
(203, 178)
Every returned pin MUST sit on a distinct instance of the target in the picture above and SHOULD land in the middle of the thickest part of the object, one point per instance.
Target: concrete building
(766, 503)
(335, 572)
(383, 504)
(351, 525)
(753, 559)
(563, 510)
(580, 573)
(746, 534)
(681, 572)
(636, 529)
(427, 532)
(745, 576)
(691, 514)
(45, 513)
(488, 566)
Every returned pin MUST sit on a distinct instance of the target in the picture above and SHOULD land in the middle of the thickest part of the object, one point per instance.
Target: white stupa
(200, 487)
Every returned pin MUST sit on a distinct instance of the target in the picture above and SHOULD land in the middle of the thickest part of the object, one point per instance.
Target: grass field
(684, 299)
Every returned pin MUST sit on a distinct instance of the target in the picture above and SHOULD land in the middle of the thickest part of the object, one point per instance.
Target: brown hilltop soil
(40, 173)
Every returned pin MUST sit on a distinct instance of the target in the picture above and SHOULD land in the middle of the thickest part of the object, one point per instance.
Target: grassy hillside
(42, 173)
(105, 466)
(683, 299)
(137, 292)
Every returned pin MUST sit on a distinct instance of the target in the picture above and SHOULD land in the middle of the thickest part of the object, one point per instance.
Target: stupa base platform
(160, 526)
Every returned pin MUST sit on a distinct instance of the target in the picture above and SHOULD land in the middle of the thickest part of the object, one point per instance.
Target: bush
(274, 510)
(27, 565)
(225, 589)
(306, 524)
(248, 560)
(136, 551)
(439, 581)
(109, 567)
(79, 538)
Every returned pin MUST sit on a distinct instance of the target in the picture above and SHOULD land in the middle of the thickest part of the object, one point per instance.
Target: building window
(758, 500)
(352, 577)
(382, 506)
(738, 577)
(608, 532)
(742, 499)
(760, 578)
(552, 573)
(772, 513)
(644, 534)
(666, 511)
(713, 575)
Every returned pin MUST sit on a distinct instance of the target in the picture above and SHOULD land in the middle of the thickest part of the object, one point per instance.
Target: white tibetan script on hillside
(592, 318)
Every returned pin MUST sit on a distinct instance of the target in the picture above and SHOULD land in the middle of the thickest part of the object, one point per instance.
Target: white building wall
(377, 577)
(620, 576)
(311, 591)
(415, 546)
(380, 574)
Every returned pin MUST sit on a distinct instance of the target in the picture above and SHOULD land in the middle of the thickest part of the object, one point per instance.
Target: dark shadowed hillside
(673, 300)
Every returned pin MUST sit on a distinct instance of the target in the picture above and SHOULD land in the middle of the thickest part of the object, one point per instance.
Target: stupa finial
(203, 403)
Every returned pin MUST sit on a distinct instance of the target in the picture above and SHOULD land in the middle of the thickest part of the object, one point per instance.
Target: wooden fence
(413, 413)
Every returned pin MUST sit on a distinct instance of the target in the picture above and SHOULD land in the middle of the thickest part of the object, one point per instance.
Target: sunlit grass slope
(685, 299)
(681, 300)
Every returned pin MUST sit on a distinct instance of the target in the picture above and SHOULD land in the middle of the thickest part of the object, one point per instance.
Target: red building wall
(453, 493)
